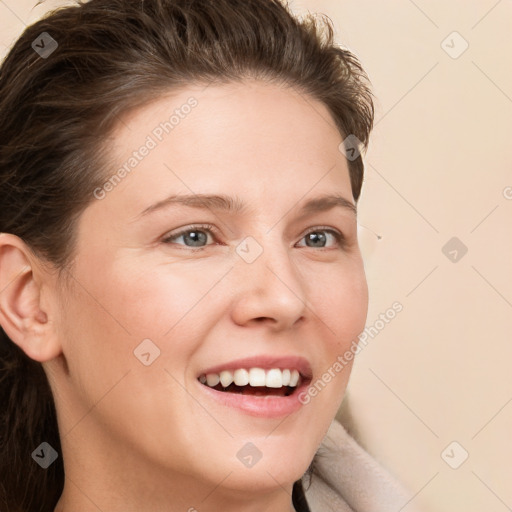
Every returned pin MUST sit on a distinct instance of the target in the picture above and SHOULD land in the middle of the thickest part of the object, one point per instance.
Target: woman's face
(163, 292)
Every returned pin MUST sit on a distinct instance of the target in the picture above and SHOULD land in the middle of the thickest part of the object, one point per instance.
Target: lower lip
(260, 406)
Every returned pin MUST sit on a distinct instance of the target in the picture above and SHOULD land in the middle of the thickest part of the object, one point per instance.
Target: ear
(22, 317)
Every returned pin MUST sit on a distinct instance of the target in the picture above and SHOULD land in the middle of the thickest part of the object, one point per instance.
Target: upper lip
(266, 362)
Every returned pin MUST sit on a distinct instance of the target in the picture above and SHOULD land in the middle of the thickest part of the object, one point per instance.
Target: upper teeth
(274, 378)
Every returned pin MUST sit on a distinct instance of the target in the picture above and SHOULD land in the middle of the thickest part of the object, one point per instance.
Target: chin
(273, 468)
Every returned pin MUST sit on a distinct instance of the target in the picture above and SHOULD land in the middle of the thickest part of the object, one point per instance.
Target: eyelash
(339, 237)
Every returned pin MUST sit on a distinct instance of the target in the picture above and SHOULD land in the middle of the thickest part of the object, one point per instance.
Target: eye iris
(194, 236)
(316, 236)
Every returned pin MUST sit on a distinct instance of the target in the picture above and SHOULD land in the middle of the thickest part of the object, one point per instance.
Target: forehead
(251, 137)
(238, 114)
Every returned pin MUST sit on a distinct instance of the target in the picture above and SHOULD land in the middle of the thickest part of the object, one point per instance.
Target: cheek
(165, 300)
(342, 311)
(354, 303)
(104, 322)
(342, 304)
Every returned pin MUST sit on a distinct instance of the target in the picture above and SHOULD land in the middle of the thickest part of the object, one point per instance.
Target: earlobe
(21, 315)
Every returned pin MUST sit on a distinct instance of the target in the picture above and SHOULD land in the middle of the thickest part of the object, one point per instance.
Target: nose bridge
(267, 281)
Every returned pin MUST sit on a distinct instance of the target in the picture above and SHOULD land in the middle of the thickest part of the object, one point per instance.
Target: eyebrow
(224, 203)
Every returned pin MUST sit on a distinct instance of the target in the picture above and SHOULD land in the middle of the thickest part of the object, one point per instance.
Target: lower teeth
(256, 390)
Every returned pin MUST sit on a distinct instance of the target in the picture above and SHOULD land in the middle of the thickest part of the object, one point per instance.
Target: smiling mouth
(255, 382)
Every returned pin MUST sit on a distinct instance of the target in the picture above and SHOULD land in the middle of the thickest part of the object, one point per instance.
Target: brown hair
(58, 102)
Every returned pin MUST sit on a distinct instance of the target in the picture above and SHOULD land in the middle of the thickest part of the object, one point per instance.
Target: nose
(269, 289)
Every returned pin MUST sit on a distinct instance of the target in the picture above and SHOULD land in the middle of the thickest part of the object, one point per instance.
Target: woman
(179, 261)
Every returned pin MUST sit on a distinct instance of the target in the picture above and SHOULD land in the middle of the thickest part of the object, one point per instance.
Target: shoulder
(347, 478)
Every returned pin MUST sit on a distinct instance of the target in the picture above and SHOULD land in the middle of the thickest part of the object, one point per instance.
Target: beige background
(438, 167)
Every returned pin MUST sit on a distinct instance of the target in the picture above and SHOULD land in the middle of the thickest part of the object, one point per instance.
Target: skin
(138, 437)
